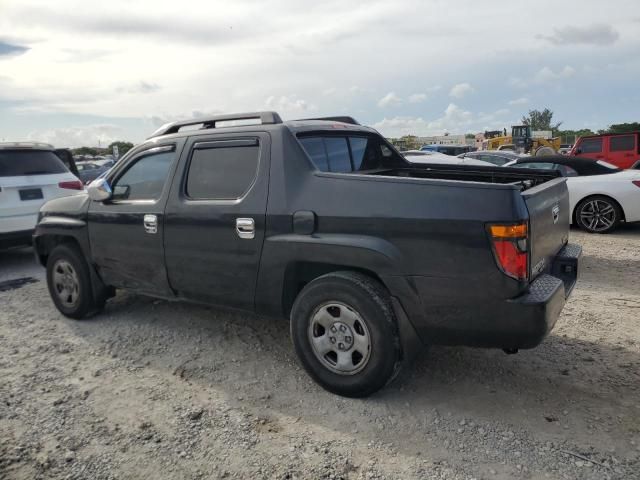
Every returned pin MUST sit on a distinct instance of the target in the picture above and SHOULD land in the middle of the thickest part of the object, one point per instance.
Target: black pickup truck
(323, 222)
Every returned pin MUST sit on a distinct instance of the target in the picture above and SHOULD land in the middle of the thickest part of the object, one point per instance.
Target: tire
(360, 343)
(544, 151)
(69, 283)
(598, 214)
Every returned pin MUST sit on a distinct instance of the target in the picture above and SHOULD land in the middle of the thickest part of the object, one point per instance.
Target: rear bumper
(520, 322)
(20, 238)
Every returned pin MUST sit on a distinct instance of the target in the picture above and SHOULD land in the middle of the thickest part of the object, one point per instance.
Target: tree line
(543, 120)
(123, 147)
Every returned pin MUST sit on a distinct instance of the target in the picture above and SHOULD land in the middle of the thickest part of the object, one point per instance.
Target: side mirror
(99, 190)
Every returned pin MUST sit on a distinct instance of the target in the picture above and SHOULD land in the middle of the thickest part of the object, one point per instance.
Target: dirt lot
(152, 389)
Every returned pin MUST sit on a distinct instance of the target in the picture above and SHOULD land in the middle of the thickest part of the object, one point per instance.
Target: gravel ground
(154, 389)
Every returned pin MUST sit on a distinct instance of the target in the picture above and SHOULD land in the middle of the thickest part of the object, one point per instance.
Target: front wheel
(598, 214)
(345, 334)
(69, 283)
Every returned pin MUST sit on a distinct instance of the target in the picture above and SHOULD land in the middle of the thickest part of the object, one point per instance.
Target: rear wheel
(345, 334)
(69, 283)
(598, 214)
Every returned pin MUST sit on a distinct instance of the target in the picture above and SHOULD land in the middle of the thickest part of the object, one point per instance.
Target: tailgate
(549, 219)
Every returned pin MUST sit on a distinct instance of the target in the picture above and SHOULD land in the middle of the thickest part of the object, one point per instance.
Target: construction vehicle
(522, 141)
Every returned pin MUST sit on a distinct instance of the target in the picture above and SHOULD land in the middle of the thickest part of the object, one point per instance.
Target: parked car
(325, 223)
(601, 195)
(619, 149)
(431, 157)
(30, 174)
(448, 149)
(493, 157)
(88, 171)
(106, 162)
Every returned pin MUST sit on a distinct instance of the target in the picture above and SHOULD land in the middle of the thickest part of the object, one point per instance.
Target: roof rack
(266, 118)
(343, 119)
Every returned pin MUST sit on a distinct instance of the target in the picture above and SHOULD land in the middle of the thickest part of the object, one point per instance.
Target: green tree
(541, 120)
(85, 151)
(123, 147)
(623, 128)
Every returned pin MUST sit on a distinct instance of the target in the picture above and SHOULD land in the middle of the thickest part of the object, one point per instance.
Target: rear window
(344, 154)
(16, 163)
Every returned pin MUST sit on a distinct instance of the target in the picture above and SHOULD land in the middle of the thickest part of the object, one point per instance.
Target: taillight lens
(71, 185)
(636, 182)
(510, 247)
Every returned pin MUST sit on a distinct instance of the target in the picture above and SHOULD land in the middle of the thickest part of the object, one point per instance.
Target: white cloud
(454, 119)
(288, 105)
(215, 56)
(87, 135)
(547, 75)
(390, 100)
(519, 101)
(594, 34)
(460, 90)
(418, 97)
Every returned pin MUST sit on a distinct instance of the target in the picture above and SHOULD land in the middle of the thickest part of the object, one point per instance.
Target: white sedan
(601, 195)
(30, 174)
(426, 156)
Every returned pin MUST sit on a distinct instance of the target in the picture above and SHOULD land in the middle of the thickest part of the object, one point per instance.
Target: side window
(622, 143)
(566, 170)
(537, 165)
(222, 173)
(145, 179)
(591, 145)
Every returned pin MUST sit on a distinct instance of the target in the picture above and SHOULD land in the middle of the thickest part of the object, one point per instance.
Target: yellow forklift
(521, 141)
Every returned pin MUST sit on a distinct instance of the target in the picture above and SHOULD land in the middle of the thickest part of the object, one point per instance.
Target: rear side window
(314, 146)
(16, 163)
(622, 143)
(145, 179)
(338, 154)
(346, 154)
(591, 145)
(222, 173)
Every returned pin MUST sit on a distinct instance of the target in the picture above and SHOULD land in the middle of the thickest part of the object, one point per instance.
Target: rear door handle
(150, 223)
(245, 228)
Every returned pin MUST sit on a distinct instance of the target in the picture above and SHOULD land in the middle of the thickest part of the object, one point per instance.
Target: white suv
(30, 174)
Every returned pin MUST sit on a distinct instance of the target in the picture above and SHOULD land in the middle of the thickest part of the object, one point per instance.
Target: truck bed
(525, 178)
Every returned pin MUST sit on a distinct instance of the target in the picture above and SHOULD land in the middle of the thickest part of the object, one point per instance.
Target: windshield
(16, 163)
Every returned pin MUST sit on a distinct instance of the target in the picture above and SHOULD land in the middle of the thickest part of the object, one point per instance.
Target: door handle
(245, 228)
(151, 223)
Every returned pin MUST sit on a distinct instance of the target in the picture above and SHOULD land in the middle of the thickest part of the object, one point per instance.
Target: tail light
(636, 182)
(510, 248)
(71, 185)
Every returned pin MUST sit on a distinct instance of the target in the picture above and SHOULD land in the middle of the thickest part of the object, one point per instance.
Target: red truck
(619, 149)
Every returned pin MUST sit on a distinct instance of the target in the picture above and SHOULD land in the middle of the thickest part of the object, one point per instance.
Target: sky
(84, 72)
